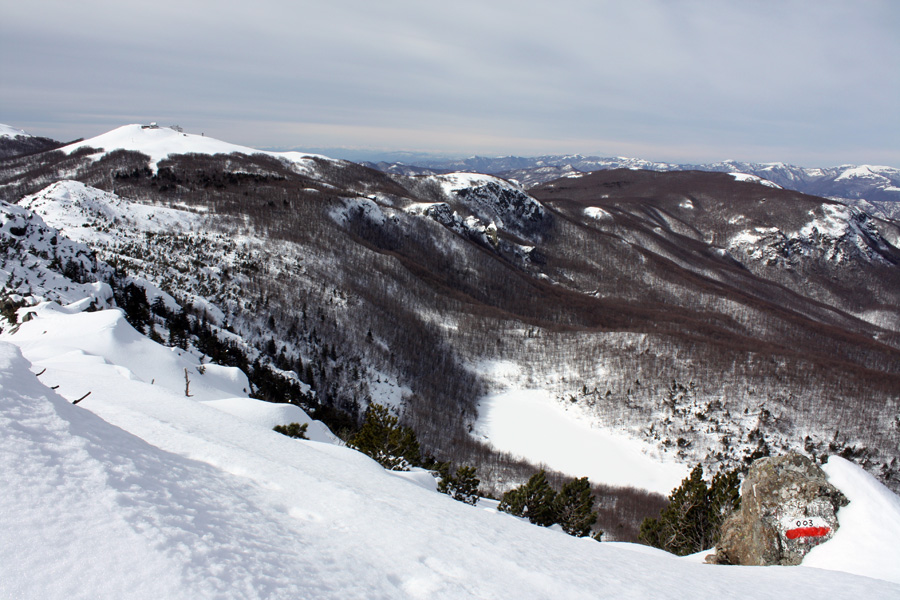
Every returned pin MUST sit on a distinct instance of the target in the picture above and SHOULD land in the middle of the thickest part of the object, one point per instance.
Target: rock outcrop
(787, 508)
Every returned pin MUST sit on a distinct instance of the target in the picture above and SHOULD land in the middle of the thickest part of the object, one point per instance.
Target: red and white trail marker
(805, 527)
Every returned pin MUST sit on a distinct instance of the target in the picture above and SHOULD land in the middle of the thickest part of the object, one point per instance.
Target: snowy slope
(31, 247)
(84, 213)
(141, 492)
(872, 516)
(160, 142)
(58, 338)
(11, 132)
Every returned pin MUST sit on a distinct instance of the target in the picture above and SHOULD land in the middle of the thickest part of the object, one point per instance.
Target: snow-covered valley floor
(532, 425)
(141, 492)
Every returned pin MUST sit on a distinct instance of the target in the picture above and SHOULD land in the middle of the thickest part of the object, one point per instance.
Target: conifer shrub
(394, 446)
(462, 486)
(294, 430)
(691, 520)
(572, 508)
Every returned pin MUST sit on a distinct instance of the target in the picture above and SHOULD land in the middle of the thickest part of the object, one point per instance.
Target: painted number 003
(805, 523)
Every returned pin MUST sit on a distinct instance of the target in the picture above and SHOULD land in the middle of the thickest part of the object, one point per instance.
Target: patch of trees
(24, 146)
(692, 519)
(572, 507)
(396, 448)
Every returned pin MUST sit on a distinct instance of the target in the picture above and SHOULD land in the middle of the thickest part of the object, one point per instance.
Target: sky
(814, 83)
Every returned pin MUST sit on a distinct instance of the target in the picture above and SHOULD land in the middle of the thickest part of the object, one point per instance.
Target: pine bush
(463, 486)
(294, 430)
(394, 446)
(574, 507)
(692, 519)
(534, 501)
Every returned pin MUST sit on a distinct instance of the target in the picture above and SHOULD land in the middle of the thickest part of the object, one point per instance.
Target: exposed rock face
(787, 508)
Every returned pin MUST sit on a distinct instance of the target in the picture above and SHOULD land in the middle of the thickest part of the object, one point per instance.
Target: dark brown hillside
(694, 217)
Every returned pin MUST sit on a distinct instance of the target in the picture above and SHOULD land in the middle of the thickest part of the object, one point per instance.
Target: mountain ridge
(868, 186)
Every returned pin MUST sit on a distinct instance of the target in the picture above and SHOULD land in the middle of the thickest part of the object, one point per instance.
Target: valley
(704, 317)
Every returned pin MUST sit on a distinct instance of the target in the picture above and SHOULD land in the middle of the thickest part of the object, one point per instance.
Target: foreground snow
(142, 492)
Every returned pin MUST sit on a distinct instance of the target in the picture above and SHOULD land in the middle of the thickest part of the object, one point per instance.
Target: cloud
(678, 79)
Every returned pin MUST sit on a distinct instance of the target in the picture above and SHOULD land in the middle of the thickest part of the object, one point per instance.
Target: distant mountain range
(15, 142)
(875, 189)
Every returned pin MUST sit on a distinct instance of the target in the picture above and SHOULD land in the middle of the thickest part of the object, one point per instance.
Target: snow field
(532, 425)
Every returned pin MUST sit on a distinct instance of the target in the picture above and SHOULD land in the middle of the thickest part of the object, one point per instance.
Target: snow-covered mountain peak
(865, 172)
(11, 132)
(754, 179)
(160, 142)
(452, 182)
(74, 207)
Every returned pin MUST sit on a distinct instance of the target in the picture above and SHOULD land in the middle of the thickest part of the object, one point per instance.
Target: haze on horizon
(814, 84)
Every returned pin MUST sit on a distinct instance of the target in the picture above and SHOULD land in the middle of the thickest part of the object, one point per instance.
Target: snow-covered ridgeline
(160, 142)
(36, 256)
(835, 232)
(11, 132)
(83, 213)
(754, 179)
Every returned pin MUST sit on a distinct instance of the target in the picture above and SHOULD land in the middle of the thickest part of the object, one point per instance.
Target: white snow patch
(532, 425)
(268, 415)
(754, 179)
(835, 222)
(385, 390)
(745, 237)
(595, 212)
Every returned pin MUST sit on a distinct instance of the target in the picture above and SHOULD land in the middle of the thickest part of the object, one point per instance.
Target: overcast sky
(815, 83)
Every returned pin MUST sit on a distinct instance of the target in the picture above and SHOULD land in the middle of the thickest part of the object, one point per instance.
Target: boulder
(787, 508)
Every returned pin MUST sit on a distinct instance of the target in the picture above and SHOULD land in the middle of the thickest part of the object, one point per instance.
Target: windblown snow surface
(142, 492)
